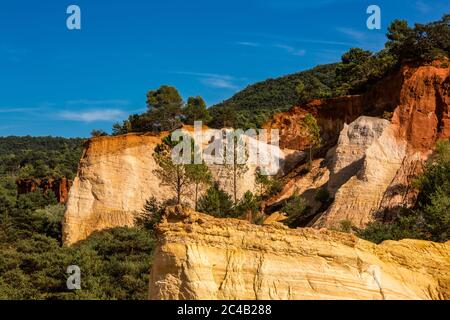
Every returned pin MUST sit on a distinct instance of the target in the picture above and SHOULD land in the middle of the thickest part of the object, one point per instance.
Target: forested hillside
(39, 157)
(33, 261)
(252, 106)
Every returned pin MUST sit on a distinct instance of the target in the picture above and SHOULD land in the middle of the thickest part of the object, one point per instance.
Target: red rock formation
(331, 115)
(60, 187)
(422, 116)
(419, 98)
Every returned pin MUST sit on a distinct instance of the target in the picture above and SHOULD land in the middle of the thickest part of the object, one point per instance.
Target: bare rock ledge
(201, 257)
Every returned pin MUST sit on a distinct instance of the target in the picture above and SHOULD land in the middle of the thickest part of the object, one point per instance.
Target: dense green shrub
(248, 205)
(268, 185)
(150, 215)
(251, 107)
(297, 210)
(114, 264)
(216, 202)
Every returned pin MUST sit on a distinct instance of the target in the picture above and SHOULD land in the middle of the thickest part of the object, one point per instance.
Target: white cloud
(93, 115)
(288, 39)
(247, 44)
(17, 110)
(291, 50)
(353, 34)
(373, 41)
(422, 7)
(204, 74)
(219, 83)
(213, 80)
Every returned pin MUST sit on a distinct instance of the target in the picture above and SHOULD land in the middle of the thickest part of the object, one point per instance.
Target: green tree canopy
(311, 130)
(216, 202)
(163, 97)
(164, 108)
(173, 175)
(195, 110)
(199, 175)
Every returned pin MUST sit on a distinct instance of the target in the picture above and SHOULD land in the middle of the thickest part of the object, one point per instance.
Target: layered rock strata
(365, 162)
(116, 176)
(201, 257)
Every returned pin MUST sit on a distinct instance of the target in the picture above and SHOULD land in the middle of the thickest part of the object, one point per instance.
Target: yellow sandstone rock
(275, 217)
(116, 177)
(201, 257)
(366, 160)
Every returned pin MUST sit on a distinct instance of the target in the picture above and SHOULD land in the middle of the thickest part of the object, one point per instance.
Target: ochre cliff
(371, 162)
(418, 97)
(368, 162)
(331, 115)
(201, 257)
(116, 176)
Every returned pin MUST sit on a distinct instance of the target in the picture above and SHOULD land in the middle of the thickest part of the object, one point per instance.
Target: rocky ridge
(116, 177)
(201, 257)
(371, 162)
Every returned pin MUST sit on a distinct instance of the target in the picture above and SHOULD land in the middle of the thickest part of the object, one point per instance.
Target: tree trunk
(178, 187)
(196, 195)
(235, 184)
(249, 216)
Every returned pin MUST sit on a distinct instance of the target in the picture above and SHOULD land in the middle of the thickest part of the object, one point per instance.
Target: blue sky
(65, 83)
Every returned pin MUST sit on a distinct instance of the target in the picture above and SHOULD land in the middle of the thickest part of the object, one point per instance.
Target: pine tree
(312, 132)
(199, 175)
(195, 110)
(172, 175)
(216, 202)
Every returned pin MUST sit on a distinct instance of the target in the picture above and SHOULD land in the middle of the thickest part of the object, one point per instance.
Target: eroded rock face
(116, 177)
(331, 115)
(365, 162)
(302, 184)
(401, 193)
(371, 168)
(200, 257)
(418, 97)
(422, 115)
(349, 154)
(114, 180)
